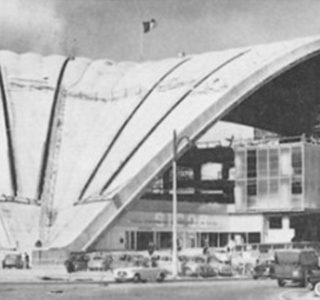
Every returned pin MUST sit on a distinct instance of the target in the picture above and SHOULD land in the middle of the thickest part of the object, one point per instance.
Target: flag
(148, 25)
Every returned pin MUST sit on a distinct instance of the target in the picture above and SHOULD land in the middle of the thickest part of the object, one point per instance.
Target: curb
(107, 282)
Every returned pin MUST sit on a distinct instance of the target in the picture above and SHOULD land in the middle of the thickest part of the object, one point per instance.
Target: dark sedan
(264, 269)
(12, 260)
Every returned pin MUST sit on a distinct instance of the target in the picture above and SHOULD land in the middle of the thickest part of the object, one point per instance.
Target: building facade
(259, 191)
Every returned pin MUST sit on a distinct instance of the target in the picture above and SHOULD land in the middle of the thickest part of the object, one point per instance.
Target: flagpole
(141, 45)
(146, 27)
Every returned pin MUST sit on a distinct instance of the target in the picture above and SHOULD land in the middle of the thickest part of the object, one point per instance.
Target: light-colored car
(165, 261)
(198, 266)
(96, 263)
(222, 268)
(139, 274)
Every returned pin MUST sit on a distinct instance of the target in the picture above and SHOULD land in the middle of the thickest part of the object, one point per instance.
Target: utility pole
(174, 208)
(175, 145)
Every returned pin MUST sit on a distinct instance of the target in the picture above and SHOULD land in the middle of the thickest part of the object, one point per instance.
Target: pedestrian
(151, 248)
(26, 260)
(69, 264)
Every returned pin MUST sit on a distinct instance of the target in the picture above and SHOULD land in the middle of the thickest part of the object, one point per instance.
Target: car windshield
(165, 258)
(12, 256)
(199, 259)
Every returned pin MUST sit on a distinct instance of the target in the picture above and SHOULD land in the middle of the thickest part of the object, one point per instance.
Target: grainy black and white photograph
(159, 149)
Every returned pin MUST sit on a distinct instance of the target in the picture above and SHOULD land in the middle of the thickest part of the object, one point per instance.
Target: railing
(266, 247)
(276, 140)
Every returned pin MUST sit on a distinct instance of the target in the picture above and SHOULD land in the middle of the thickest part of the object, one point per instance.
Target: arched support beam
(124, 125)
(166, 115)
(11, 150)
(53, 112)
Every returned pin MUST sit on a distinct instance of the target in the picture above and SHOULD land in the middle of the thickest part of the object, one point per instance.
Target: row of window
(273, 162)
(271, 186)
(141, 240)
(208, 171)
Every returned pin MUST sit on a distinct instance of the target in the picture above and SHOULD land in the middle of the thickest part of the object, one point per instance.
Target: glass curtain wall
(269, 177)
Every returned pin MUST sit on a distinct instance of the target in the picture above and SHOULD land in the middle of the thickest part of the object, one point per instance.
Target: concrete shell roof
(104, 129)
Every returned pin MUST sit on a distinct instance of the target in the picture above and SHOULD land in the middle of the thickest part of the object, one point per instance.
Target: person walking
(26, 260)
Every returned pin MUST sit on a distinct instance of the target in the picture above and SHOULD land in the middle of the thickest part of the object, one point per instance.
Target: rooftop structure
(85, 138)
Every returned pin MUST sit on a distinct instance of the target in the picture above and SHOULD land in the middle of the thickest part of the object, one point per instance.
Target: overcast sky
(112, 28)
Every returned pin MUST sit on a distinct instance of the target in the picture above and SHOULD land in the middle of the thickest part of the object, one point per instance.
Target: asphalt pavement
(59, 274)
(217, 290)
(52, 282)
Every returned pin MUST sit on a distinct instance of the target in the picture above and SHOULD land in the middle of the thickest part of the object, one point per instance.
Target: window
(211, 171)
(285, 161)
(273, 186)
(184, 173)
(204, 239)
(251, 164)
(273, 162)
(296, 186)
(165, 240)
(296, 160)
(240, 238)
(224, 238)
(144, 238)
(252, 188)
(254, 237)
(263, 163)
(130, 239)
(157, 184)
(240, 163)
(275, 222)
(208, 239)
(263, 187)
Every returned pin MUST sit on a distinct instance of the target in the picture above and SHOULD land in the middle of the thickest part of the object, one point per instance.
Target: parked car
(316, 288)
(76, 261)
(165, 261)
(198, 266)
(96, 263)
(126, 260)
(139, 274)
(221, 267)
(314, 280)
(12, 260)
(295, 265)
(264, 269)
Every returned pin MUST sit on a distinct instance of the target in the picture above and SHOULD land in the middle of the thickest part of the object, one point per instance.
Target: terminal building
(257, 191)
(86, 149)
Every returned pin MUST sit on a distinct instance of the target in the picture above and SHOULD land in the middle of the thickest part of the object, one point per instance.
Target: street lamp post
(175, 203)
(174, 208)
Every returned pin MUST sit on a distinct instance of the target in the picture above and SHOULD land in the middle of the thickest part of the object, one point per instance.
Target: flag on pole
(148, 25)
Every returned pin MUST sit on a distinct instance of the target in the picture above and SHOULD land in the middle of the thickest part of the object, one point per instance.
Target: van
(12, 260)
(294, 265)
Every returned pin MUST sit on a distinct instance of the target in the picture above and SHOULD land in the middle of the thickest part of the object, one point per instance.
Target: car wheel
(137, 278)
(317, 289)
(161, 277)
(302, 284)
(187, 272)
(304, 281)
(280, 282)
